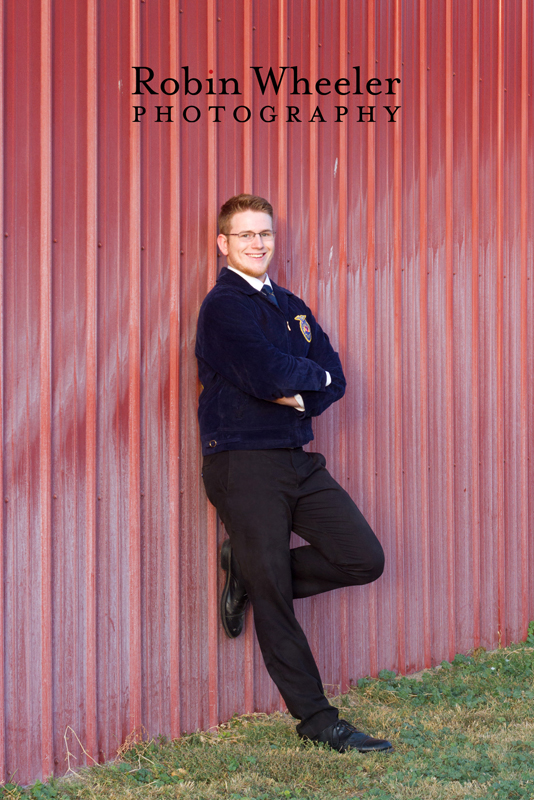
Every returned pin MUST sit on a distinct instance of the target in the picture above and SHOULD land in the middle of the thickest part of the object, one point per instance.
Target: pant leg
(261, 496)
(255, 493)
(344, 550)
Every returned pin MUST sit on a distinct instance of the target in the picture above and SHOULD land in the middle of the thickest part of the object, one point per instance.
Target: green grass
(464, 730)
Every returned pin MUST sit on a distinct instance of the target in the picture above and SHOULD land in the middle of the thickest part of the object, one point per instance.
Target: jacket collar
(229, 278)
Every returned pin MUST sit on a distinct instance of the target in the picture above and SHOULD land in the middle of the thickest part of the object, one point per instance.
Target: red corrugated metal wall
(411, 240)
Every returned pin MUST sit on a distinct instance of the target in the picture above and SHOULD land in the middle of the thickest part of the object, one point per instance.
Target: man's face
(251, 257)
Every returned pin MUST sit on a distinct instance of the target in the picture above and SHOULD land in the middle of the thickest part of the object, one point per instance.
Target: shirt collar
(256, 283)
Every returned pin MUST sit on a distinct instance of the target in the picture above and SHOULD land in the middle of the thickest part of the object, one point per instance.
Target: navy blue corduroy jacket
(249, 353)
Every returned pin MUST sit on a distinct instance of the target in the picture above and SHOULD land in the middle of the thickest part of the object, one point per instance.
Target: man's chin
(258, 272)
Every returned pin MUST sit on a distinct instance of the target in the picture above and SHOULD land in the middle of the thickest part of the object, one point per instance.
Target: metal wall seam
(193, 507)
(313, 171)
(475, 334)
(134, 389)
(423, 327)
(45, 392)
(530, 316)
(282, 148)
(248, 178)
(212, 548)
(91, 744)
(512, 313)
(524, 494)
(486, 323)
(249, 100)
(65, 467)
(111, 581)
(314, 244)
(397, 357)
(499, 326)
(370, 371)
(12, 616)
(343, 316)
(449, 332)
(283, 250)
(530, 295)
(174, 394)
(3, 486)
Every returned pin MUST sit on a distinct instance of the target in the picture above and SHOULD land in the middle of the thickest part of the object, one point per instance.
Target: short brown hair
(241, 202)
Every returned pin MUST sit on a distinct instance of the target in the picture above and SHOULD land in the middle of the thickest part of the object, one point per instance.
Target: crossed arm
(287, 401)
(231, 341)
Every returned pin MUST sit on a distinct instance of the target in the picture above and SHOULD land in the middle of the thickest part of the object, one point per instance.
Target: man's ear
(222, 241)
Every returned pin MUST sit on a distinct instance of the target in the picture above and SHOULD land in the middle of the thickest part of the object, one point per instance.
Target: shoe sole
(344, 750)
(387, 749)
(370, 750)
(226, 563)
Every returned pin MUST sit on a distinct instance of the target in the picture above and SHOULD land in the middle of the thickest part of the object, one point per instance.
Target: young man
(266, 368)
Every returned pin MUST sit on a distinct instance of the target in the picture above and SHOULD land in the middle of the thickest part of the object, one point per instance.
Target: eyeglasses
(249, 236)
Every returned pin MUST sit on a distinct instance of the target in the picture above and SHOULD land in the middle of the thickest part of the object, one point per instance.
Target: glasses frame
(267, 234)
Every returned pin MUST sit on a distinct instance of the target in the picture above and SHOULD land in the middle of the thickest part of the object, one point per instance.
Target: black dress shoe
(234, 598)
(343, 736)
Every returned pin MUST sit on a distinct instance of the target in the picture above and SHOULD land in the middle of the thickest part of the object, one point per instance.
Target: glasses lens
(248, 236)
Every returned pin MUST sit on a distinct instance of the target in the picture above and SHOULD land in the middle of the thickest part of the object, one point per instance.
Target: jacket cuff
(300, 401)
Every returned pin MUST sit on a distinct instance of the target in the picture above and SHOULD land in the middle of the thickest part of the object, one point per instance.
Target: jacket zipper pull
(287, 323)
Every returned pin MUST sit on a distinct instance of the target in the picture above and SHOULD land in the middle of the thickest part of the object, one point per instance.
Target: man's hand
(287, 401)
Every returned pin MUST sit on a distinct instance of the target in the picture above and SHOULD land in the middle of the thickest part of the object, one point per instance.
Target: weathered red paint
(410, 240)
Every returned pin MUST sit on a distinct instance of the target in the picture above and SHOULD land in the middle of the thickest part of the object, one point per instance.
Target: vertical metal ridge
(449, 321)
(249, 97)
(398, 318)
(314, 250)
(45, 392)
(524, 538)
(107, 515)
(2, 420)
(91, 387)
(499, 323)
(59, 412)
(154, 701)
(174, 394)
(134, 401)
(151, 151)
(282, 136)
(8, 549)
(475, 311)
(313, 172)
(423, 317)
(283, 249)
(343, 313)
(212, 551)
(248, 173)
(371, 336)
(343, 207)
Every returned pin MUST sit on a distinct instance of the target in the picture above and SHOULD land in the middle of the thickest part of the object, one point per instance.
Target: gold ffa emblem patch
(304, 326)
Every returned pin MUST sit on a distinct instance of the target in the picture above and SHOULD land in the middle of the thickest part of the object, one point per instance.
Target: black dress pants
(261, 496)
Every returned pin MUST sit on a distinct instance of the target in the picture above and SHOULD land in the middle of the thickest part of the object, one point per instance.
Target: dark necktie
(268, 292)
